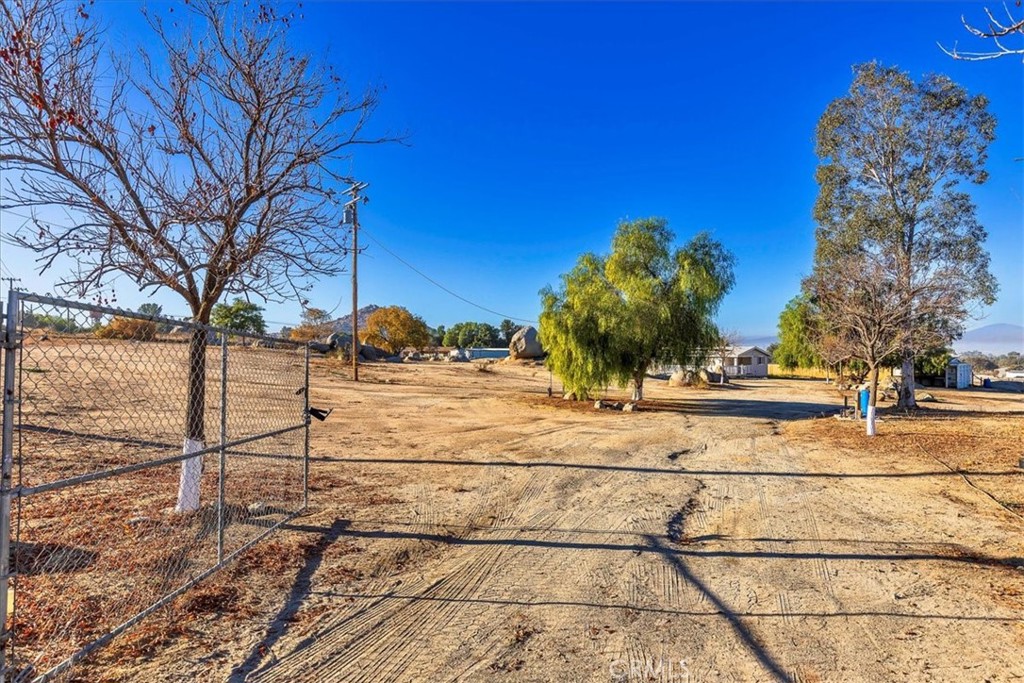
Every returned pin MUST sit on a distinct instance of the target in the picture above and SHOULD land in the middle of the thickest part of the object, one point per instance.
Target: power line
(393, 254)
(439, 285)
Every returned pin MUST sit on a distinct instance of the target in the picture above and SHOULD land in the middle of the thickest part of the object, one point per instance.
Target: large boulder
(371, 353)
(525, 344)
(458, 356)
(339, 340)
(681, 378)
(689, 378)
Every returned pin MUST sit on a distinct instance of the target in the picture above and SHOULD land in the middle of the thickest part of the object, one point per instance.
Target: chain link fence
(140, 455)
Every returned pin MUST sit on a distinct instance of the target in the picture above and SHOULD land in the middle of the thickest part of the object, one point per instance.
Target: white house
(742, 362)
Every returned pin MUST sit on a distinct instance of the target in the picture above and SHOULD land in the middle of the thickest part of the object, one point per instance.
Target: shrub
(128, 328)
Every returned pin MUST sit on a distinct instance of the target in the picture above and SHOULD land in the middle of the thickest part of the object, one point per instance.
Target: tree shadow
(737, 407)
(742, 630)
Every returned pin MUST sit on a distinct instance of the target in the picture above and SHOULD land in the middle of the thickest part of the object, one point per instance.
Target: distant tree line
(467, 335)
(987, 362)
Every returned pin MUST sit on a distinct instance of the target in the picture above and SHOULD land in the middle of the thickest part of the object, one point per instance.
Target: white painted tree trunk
(638, 390)
(191, 476)
(872, 400)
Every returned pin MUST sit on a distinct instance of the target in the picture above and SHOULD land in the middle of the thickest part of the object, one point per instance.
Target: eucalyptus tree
(645, 303)
(895, 155)
(206, 163)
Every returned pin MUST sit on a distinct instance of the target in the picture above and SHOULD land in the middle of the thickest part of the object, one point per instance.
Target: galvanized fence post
(6, 476)
(305, 448)
(222, 469)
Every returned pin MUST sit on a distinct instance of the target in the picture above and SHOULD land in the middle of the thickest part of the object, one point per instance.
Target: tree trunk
(872, 399)
(907, 382)
(195, 426)
(638, 387)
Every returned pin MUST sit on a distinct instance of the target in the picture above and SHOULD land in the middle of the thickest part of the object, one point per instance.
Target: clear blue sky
(535, 127)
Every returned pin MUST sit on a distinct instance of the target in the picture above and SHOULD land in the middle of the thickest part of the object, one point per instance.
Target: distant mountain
(763, 342)
(997, 338)
(344, 323)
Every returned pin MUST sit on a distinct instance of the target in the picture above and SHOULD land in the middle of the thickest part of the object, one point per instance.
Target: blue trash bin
(864, 396)
(987, 383)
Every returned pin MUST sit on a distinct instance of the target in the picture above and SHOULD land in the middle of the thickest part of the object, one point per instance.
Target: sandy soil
(465, 527)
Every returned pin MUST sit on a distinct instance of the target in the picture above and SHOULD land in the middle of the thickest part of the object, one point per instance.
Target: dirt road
(466, 528)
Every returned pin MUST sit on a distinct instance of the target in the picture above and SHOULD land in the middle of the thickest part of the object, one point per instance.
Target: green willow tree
(796, 348)
(643, 304)
(894, 155)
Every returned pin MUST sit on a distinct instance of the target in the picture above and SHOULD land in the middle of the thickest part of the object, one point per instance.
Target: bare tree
(725, 343)
(863, 305)
(998, 31)
(859, 299)
(205, 165)
(833, 348)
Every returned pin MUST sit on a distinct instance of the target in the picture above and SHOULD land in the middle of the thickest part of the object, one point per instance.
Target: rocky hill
(344, 323)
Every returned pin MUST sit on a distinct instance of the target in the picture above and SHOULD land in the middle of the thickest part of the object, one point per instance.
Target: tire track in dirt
(375, 645)
(821, 563)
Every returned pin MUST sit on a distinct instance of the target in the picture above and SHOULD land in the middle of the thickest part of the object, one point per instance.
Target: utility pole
(351, 215)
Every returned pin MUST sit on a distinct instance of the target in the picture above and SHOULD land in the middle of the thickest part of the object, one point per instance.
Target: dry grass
(985, 448)
(91, 556)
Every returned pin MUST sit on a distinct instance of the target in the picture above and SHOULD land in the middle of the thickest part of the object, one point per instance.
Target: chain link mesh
(109, 517)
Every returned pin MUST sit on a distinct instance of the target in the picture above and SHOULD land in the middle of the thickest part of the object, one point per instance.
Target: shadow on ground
(677, 556)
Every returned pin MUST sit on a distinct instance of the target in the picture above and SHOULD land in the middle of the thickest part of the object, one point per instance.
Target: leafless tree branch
(209, 166)
(999, 30)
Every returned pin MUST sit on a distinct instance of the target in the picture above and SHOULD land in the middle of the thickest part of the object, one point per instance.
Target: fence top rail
(45, 300)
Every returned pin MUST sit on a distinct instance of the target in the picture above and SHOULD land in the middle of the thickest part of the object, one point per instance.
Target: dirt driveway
(467, 528)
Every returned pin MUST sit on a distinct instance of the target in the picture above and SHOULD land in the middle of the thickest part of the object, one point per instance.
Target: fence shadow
(298, 594)
(679, 471)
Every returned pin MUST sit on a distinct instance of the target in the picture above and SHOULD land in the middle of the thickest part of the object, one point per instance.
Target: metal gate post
(222, 469)
(305, 448)
(6, 475)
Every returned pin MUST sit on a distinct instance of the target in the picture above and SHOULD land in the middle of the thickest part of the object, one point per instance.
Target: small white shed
(958, 374)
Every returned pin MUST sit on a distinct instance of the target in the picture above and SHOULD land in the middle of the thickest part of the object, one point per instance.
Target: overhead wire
(398, 258)
(438, 284)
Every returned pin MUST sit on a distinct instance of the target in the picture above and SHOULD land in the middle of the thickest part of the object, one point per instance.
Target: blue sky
(535, 127)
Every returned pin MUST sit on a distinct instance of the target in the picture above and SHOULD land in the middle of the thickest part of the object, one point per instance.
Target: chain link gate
(141, 454)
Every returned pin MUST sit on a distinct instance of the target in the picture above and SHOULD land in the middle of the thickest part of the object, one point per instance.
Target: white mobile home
(742, 362)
